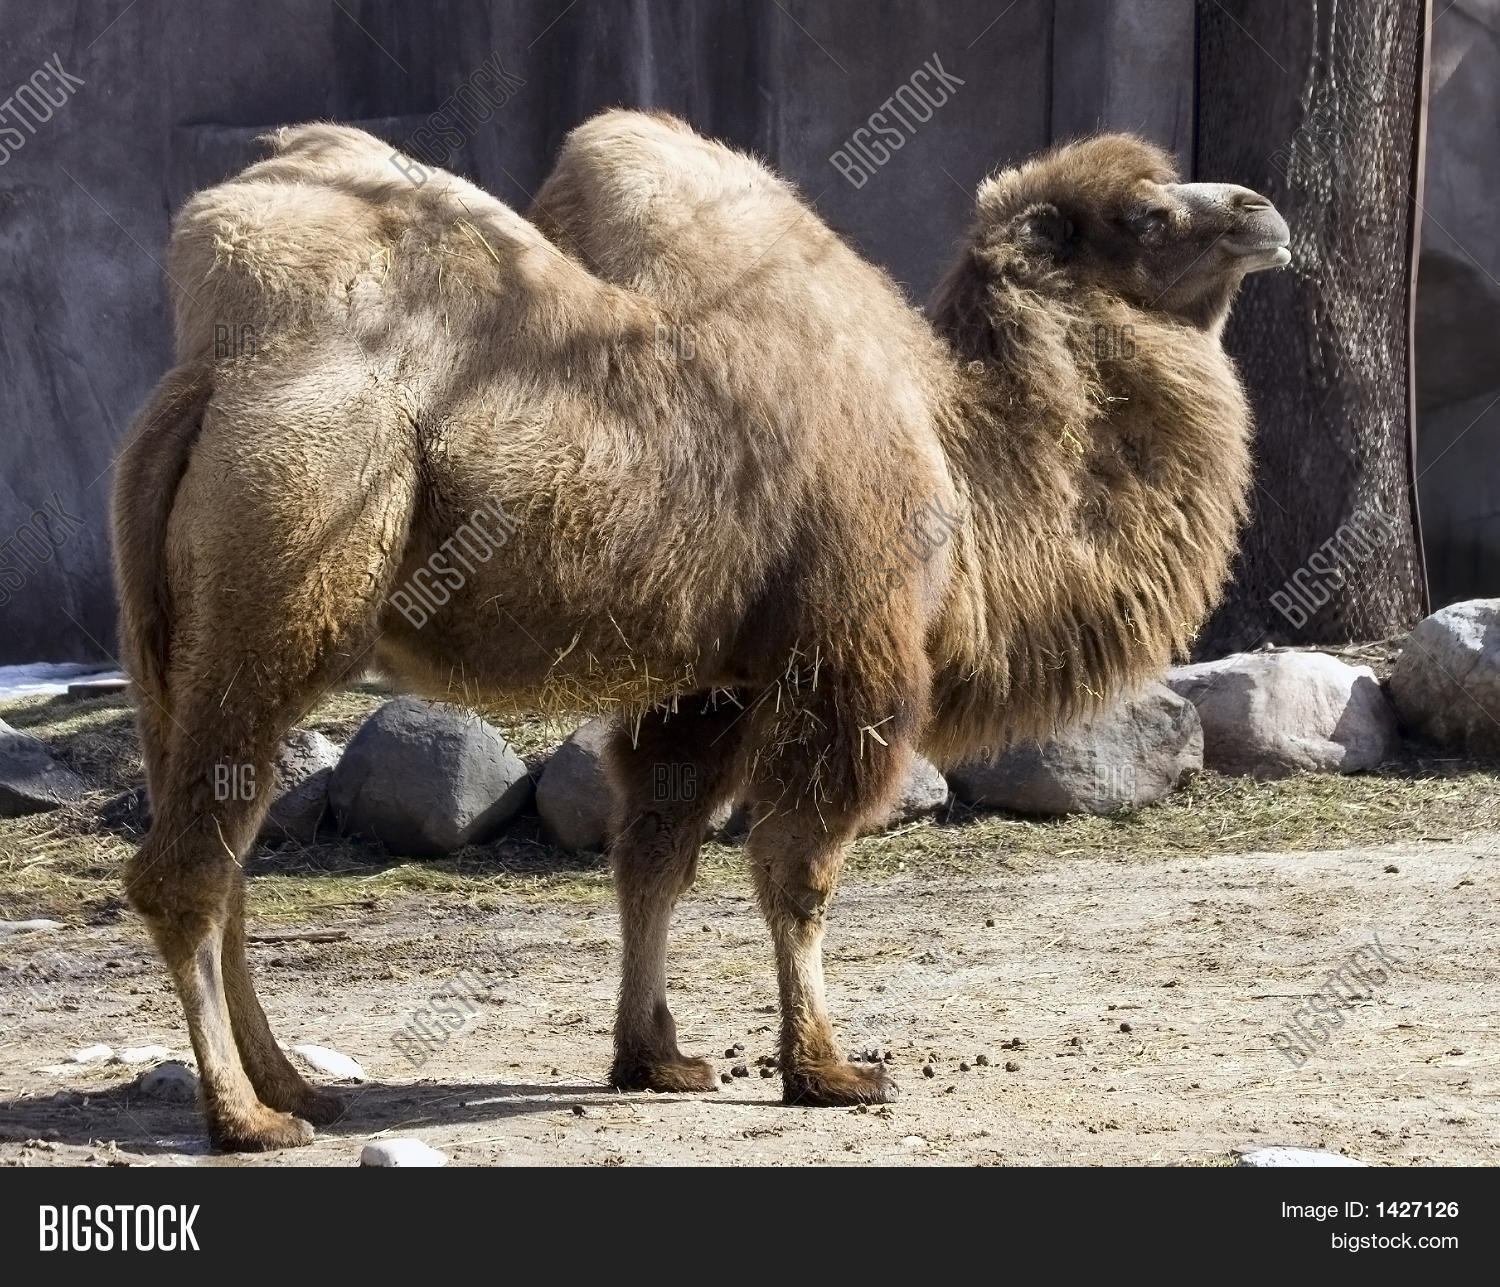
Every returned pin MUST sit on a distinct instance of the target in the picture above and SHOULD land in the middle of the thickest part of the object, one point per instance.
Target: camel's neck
(1103, 457)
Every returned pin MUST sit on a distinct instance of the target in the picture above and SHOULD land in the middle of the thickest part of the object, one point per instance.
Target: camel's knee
(180, 891)
(796, 856)
(795, 896)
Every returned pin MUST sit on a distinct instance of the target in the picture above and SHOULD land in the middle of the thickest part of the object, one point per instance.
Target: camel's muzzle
(1256, 235)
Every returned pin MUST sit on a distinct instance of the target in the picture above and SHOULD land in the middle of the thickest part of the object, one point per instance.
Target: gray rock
(1128, 755)
(97, 688)
(425, 779)
(1446, 683)
(1296, 1157)
(722, 821)
(304, 768)
(128, 813)
(1269, 714)
(172, 1082)
(730, 824)
(573, 795)
(31, 779)
(400, 1153)
(925, 791)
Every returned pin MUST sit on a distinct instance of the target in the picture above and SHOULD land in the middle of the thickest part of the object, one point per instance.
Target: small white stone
(92, 1055)
(141, 1055)
(914, 1142)
(1277, 1156)
(400, 1153)
(173, 1081)
(329, 1062)
(28, 927)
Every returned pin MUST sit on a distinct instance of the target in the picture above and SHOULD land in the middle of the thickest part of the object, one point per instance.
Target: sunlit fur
(1089, 427)
(1104, 491)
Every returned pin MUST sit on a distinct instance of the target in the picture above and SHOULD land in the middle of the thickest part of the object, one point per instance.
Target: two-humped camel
(693, 538)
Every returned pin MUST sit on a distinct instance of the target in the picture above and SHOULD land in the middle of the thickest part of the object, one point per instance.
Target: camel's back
(311, 233)
(647, 202)
(758, 284)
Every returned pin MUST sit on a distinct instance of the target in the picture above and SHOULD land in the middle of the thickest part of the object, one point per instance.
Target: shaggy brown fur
(1088, 421)
(685, 528)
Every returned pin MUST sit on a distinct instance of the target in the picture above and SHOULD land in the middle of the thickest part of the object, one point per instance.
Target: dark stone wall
(1458, 308)
(173, 93)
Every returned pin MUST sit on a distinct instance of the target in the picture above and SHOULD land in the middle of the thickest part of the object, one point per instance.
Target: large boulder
(304, 768)
(1446, 683)
(573, 795)
(425, 779)
(31, 778)
(1270, 714)
(576, 801)
(925, 791)
(128, 814)
(1126, 756)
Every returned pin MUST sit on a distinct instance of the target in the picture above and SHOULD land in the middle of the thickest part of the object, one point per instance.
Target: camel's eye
(1150, 224)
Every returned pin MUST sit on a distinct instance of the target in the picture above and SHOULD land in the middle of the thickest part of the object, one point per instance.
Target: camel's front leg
(796, 858)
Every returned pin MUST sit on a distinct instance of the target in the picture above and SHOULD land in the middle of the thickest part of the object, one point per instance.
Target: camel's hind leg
(186, 882)
(668, 781)
(277, 1083)
(272, 607)
(188, 879)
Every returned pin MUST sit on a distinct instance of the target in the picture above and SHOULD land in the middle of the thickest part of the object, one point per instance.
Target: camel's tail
(149, 469)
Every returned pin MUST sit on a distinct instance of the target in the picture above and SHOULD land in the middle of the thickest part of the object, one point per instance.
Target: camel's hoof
(837, 1085)
(304, 1100)
(320, 1107)
(260, 1132)
(677, 1073)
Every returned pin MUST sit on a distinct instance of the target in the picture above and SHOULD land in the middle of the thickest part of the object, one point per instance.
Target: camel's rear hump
(328, 232)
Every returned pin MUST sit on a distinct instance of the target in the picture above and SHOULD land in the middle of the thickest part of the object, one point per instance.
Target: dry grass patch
(66, 864)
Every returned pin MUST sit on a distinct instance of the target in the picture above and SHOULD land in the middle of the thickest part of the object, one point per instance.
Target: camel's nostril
(1250, 202)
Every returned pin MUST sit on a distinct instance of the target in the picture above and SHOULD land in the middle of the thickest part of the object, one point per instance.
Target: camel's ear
(1045, 229)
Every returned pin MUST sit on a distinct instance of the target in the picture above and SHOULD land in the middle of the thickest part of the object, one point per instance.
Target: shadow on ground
(136, 1124)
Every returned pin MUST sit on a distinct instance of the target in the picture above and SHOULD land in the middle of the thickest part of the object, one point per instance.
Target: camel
(691, 542)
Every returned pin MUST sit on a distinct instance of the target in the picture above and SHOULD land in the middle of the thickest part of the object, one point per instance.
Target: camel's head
(1109, 213)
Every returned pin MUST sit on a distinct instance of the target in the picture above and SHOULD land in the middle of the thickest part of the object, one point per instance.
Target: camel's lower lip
(1271, 254)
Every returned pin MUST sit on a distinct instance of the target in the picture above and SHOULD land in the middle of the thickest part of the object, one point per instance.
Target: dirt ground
(1035, 960)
